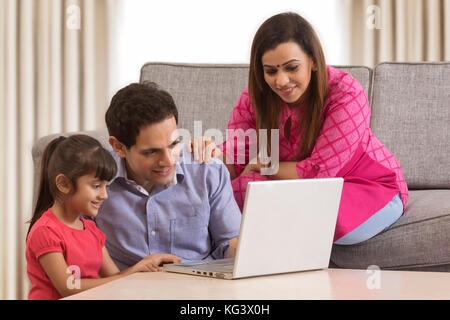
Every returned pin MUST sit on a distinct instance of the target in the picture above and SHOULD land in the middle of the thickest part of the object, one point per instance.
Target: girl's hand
(204, 149)
(152, 262)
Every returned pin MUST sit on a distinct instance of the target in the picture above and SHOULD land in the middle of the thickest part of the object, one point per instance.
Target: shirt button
(316, 167)
(153, 233)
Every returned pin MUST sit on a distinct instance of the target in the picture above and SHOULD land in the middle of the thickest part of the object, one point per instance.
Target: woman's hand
(204, 148)
(254, 166)
(152, 263)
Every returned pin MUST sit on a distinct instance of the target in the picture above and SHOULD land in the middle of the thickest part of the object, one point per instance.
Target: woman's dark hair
(73, 156)
(282, 28)
(135, 107)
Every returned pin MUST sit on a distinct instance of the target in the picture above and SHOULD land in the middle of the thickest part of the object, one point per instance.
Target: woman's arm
(231, 170)
(346, 125)
(286, 170)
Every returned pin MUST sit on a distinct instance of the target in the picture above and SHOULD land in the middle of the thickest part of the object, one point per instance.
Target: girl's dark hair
(282, 28)
(73, 156)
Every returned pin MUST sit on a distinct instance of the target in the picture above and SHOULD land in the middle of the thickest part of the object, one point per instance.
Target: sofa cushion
(410, 116)
(208, 92)
(419, 240)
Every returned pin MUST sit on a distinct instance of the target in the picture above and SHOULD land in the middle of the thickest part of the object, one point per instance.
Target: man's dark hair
(135, 107)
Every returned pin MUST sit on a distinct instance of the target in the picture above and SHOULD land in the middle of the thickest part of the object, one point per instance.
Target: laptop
(286, 226)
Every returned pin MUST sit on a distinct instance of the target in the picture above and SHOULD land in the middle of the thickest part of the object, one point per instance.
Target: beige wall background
(55, 76)
(397, 30)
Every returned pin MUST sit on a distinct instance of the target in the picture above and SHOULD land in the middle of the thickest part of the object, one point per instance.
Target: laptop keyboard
(220, 265)
(215, 267)
(219, 262)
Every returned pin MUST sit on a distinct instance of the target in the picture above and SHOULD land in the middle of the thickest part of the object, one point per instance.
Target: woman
(323, 117)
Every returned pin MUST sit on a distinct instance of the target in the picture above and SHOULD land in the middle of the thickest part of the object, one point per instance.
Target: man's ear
(118, 147)
(63, 184)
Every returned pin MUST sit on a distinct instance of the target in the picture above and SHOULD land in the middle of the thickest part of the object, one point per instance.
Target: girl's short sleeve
(101, 237)
(43, 240)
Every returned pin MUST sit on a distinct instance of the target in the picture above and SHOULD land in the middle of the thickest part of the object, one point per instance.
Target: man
(161, 201)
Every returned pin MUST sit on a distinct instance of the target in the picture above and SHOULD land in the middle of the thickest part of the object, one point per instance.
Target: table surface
(317, 284)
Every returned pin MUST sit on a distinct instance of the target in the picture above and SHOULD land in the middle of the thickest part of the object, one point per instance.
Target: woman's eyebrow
(285, 63)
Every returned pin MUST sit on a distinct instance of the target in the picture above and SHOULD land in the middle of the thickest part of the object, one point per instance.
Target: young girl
(322, 115)
(65, 253)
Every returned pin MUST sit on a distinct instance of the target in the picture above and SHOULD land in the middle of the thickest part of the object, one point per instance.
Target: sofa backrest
(202, 92)
(410, 109)
(411, 117)
(208, 92)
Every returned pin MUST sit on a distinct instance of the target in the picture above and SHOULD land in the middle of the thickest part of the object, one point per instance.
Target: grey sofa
(410, 105)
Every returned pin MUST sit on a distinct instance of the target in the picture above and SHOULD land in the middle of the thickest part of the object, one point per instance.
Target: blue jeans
(375, 224)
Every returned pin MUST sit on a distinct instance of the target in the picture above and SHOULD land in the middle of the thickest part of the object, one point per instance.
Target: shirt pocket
(189, 237)
(179, 204)
(188, 224)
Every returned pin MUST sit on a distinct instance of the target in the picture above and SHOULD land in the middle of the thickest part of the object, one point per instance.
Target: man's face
(152, 160)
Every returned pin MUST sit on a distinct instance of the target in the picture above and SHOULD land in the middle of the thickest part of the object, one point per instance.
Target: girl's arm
(108, 268)
(67, 284)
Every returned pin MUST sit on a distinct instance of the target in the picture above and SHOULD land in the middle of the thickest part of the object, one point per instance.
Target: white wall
(211, 31)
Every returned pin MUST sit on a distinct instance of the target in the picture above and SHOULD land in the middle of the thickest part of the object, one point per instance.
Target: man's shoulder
(210, 174)
(190, 165)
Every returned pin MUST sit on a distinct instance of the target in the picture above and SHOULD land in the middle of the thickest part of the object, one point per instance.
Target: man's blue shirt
(193, 218)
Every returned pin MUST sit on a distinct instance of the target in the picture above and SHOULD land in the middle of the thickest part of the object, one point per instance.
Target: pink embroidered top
(345, 147)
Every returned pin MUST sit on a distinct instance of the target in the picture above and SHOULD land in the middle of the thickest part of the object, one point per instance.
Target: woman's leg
(375, 224)
(240, 186)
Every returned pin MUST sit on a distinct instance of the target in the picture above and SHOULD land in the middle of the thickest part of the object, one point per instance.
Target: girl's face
(89, 195)
(287, 71)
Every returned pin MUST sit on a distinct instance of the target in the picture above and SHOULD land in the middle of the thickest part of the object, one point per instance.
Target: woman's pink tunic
(346, 147)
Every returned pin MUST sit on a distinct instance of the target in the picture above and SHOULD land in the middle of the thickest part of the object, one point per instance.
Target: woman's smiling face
(287, 71)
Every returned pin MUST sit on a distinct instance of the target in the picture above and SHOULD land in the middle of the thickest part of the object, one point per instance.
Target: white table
(319, 284)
